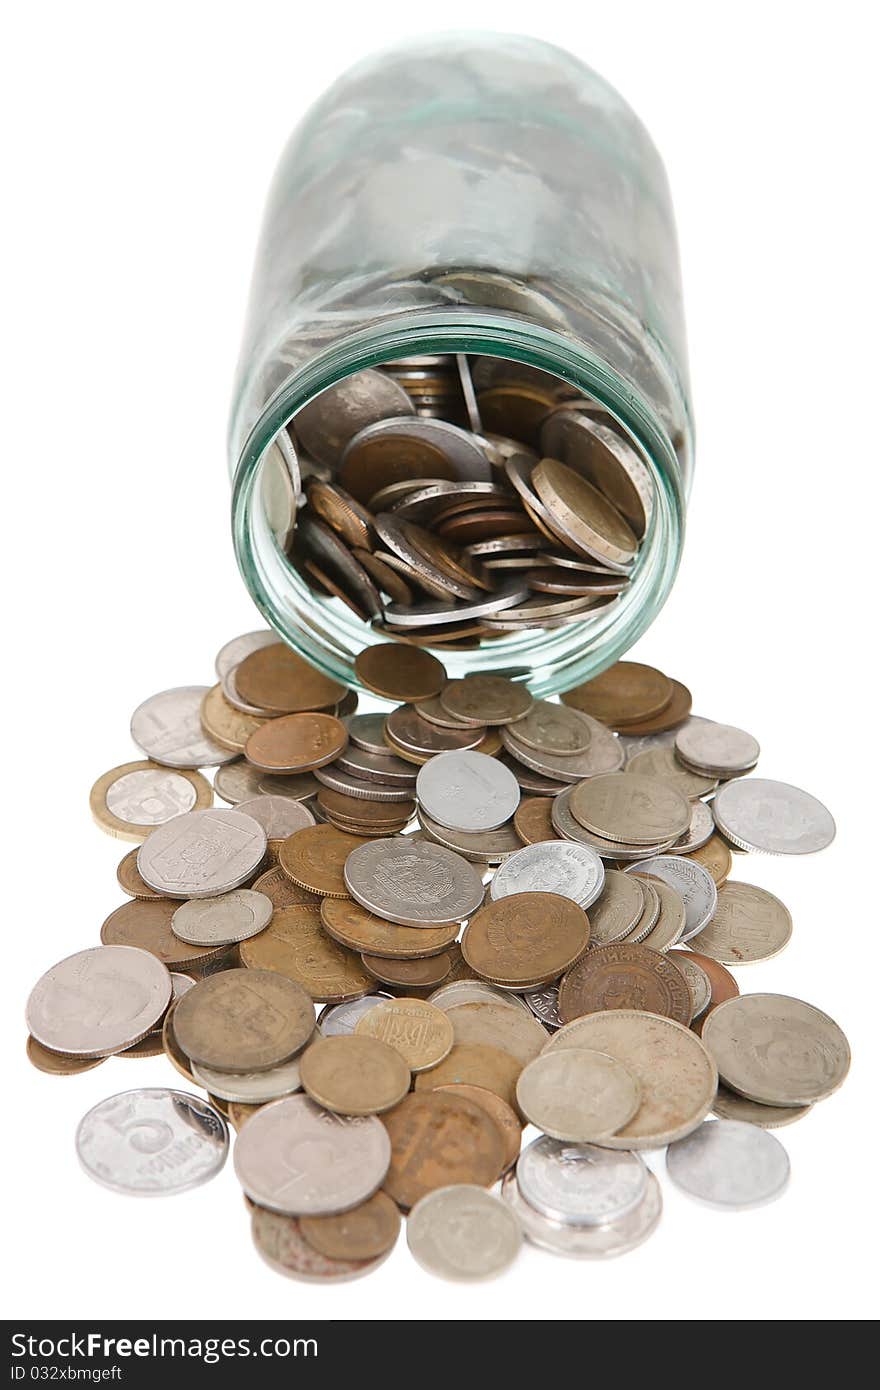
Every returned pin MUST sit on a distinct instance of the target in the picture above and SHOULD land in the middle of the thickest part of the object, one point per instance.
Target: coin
(224, 723)
(671, 920)
(605, 459)
(722, 984)
(411, 975)
(252, 1087)
(638, 733)
(421, 1033)
(342, 513)
(628, 808)
(776, 1050)
(532, 820)
(384, 576)
(479, 846)
(577, 1095)
(552, 728)
(475, 1064)
(715, 857)
(399, 673)
(337, 1019)
(580, 1184)
(604, 754)
(363, 1233)
(235, 651)
(505, 1119)
(366, 731)
(146, 924)
(152, 1142)
(413, 884)
(201, 854)
(720, 750)
(583, 515)
(698, 981)
(526, 939)
(663, 764)
(59, 1063)
(315, 859)
(328, 422)
(239, 781)
(464, 991)
(411, 735)
(223, 920)
(279, 816)
(130, 881)
(98, 1001)
(544, 1004)
(587, 1242)
(691, 881)
(168, 728)
(280, 1243)
(354, 1075)
(491, 1024)
(296, 1158)
(467, 791)
(486, 700)
(625, 977)
(675, 1071)
(628, 691)
(296, 946)
(729, 1106)
(280, 681)
(442, 612)
(698, 833)
(729, 1164)
(618, 908)
(772, 817)
(351, 925)
(243, 1020)
(130, 800)
(463, 1233)
(748, 924)
(282, 891)
(438, 1139)
(296, 743)
(553, 866)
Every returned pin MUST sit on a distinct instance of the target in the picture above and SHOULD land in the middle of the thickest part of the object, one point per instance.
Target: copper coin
(280, 1242)
(353, 926)
(352, 1075)
(411, 735)
(281, 890)
(526, 937)
(715, 856)
(295, 945)
(625, 977)
(361, 811)
(315, 858)
(130, 881)
(280, 681)
(438, 1139)
(532, 820)
(508, 1122)
(628, 691)
(243, 1020)
(377, 461)
(150, 1046)
(419, 1031)
(342, 512)
(516, 411)
(147, 924)
(326, 585)
(296, 743)
(475, 1064)
(724, 986)
(363, 1233)
(676, 712)
(426, 973)
(399, 673)
(59, 1063)
(225, 724)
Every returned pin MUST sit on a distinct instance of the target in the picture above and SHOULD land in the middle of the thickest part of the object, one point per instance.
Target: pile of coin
(448, 499)
(507, 914)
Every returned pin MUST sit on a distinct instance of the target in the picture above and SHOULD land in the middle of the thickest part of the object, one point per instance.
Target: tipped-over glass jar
(469, 248)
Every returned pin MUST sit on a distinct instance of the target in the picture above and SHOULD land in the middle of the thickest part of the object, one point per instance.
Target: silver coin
(587, 1242)
(360, 788)
(479, 846)
(727, 1163)
(617, 910)
(402, 539)
(168, 728)
(376, 767)
(150, 796)
(698, 982)
(776, 1050)
(467, 791)
(650, 915)
(552, 728)
(432, 711)
(694, 884)
(729, 1106)
(698, 833)
(577, 1096)
(772, 817)
(327, 423)
(339, 1020)
(233, 653)
(544, 1004)
(239, 781)
(530, 781)
(99, 1001)
(279, 816)
(604, 458)
(474, 992)
(424, 502)
(230, 690)
(565, 825)
(296, 1158)
(417, 885)
(280, 487)
(222, 920)
(633, 744)
(580, 1184)
(514, 544)
(201, 854)
(551, 866)
(366, 731)
(152, 1142)
(604, 754)
(463, 1233)
(441, 613)
(720, 750)
(749, 924)
(465, 457)
(250, 1087)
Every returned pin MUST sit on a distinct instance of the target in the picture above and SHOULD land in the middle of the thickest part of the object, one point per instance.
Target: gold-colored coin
(131, 800)
(627, 692)
(173, 1051)
(315, 858)
(677, 710)
(508, 1122)
(244, 1020)
(526, 937)
(295, 945)
(342, 513)
(58, 1063)
(130, 881)
(376, 462)
(281, 890)
(583, 513)
(364, 1233)
(352, 1075)
(498, 1025)
(353, 926)
(517, 411)
(421, 1033)
(478, 700)
(399, 673)
(715, 857)
(426, 973)
(532, 820)
(280, 681)
(147, 924)
(296, 742)
(239, 1113)
(149, 1046)
(662, 764)
(225, 724)
(475, 1064)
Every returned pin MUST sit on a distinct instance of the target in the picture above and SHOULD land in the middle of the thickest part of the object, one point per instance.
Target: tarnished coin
(776, 1050)
(337, 1020)
(720, 750)
(544, 1004)
(748, 924)
(202, 854)
(146, 924)
(730, 1106)
(223, 920)
(698, 981)
(602, 456)
(351, 925)
(363, 1233)
(604, 754)
(354, 1075)
(98, 1001)
(772, 817)
(587, 1242)
(580, 1184)
(327, 423)
(722, 984)
(694, 885)
(250, 1087)
(475, 1064)
(625, 693)
(240, 781)
(224, 723)
(280, 1243)
(131, 800)
(296, 743)
(650, 913)
(631, 809)
(295, 1157)
(243, 1020)
(478, 846)
(398, 672)
(58, 1063)
(282, 891)
(624, 977)
(657, 729)
(677, 1074)
(526, 939)
(554, 866)
(130, 881)
(295, 945)
(279, 816)
(418, 739)
(467, 791)
(280, 681)
(714, 856)
(532, 820)
(438, 1139)
(152, 1142)
(729, 1164)
(486, 700)
(583, 514)
(315, 859)
(342, 513)
(617, 909)
(410, 975)
(552, 728)
(168, 728)
(421, 1033)
(506, 1120)
(577, 1095)
(491, 1024)
(663, 765)
(415, 885)
(463, 1233)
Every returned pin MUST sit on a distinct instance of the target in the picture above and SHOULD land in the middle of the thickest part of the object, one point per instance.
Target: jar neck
(329, 636)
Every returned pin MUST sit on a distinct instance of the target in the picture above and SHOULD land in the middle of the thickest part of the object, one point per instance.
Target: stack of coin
(506, 912)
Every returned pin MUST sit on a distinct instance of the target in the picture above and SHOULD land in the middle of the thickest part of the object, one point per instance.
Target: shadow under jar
(485, 212)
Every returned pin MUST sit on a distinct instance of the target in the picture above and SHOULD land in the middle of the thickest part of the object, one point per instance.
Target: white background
(141, 140)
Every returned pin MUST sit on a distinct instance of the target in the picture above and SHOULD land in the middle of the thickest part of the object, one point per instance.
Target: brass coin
(426, 973)
(352, 1075)
(384, 576)
(353, 926)
(438, 1139)
(399, 673)
(627, 692)
(672, 918)
(363, 1233)
(296, 742)
(526, 937)
(579, 510)
(421, 1033)
(676, 712)
(224, 723)
(532, 822)
(281, 890)
(516, 411)
(625, 977)
(279, 681)
(147, 924)
(172, 1049)
(59, 1064)
(378, 815)
(377, 461)
(117, 799)
(315, 858)
(475, 1064)
(150, 1046)
(508, 1122)
(130, 881)
(618, 910)
(662, 764)
(342, 512)
(497, 1025)
(714, 856)
(477, 700)
(295, 945)
(630, 809)
(243, 1020)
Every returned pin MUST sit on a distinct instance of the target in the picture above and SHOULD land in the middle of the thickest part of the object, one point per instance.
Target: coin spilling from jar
(402, 938)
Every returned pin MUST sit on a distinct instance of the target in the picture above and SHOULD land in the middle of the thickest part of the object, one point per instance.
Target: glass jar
(481, 194)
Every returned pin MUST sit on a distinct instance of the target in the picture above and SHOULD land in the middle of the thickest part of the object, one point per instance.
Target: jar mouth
(330, 636)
